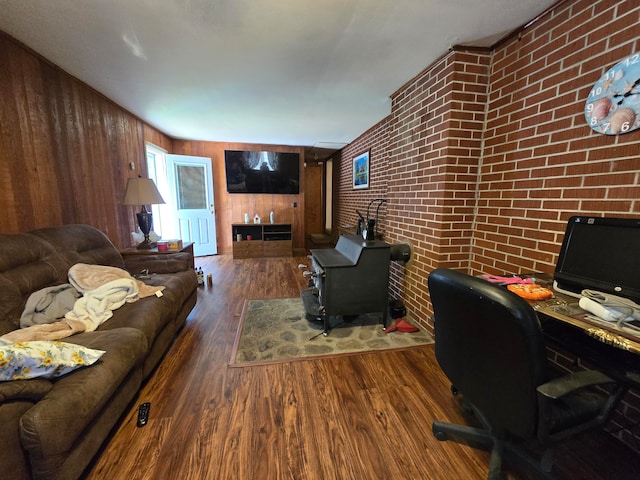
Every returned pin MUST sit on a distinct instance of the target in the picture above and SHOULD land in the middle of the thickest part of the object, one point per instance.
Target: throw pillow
(47, 359)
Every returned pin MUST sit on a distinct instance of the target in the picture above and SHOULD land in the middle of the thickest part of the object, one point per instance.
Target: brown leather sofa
(52, 429)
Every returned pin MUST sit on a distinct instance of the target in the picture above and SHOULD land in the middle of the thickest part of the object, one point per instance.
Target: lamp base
(146, 244)
(145, 222)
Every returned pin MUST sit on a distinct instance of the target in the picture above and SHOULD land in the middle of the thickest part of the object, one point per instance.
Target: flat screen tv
(600, 254)
(262, 172)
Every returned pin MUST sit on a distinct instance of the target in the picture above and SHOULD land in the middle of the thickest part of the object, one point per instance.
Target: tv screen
(262, 172)
(600, 254)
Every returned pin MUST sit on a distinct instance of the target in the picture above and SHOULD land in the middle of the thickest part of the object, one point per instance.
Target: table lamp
(143, 191)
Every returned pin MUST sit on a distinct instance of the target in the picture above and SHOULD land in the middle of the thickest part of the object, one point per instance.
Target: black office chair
(489, 344)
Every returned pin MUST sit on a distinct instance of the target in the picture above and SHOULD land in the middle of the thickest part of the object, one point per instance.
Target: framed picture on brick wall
(361, 170)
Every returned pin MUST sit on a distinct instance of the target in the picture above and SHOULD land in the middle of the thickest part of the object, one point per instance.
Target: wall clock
(613, 104)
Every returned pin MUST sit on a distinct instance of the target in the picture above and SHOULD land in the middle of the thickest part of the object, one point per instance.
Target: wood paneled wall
(65, 154)
(65, 149)
(230, 208)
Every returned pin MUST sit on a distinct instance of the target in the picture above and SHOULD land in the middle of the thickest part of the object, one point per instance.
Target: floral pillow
(47, 359)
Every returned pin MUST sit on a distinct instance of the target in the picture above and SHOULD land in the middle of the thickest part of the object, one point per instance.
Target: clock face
(613, 105)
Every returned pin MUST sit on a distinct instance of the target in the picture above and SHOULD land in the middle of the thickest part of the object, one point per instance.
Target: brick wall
(435, 143)
(424, 160)
(486, 154)
(541, 162)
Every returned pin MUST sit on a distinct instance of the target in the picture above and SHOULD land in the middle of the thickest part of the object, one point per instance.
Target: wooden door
(314, 198)
(192, 199)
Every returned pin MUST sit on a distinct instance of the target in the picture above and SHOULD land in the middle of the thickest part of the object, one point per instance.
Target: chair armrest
(164, 263)
(559, 387)
(559, 419)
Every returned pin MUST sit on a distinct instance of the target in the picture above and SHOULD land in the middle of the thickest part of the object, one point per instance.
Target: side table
(134, 252)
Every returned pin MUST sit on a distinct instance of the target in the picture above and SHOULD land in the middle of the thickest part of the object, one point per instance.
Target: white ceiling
(289, 72)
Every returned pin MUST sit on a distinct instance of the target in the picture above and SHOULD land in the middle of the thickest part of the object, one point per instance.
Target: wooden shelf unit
(267, 240)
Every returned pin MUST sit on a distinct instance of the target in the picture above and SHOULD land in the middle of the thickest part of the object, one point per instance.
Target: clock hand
(629, 92)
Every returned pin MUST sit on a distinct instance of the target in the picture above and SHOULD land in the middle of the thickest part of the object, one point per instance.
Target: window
(165, 221)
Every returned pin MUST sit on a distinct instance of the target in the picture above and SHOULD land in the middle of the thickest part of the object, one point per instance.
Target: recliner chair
(489, 344)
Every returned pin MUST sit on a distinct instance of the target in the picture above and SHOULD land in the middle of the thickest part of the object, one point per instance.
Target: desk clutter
(523, 287)
(600, 307)
(173, 244)
(605, 306)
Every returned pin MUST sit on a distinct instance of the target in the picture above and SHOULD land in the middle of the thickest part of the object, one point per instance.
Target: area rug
(276, 330)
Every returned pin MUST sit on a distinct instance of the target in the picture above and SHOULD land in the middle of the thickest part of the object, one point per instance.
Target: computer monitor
(600, 254)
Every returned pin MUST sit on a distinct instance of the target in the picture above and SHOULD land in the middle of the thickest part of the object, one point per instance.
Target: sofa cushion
(161, 263)
(82, 244)
(52, 425)
(151, 314)
(27, 264)
(46, 359)
(179, 286)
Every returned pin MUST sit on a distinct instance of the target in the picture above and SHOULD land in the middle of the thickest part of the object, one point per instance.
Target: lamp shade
(142, 191)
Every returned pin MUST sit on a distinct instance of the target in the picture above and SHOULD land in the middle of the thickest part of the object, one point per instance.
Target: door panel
(313, 198)
(192, 182)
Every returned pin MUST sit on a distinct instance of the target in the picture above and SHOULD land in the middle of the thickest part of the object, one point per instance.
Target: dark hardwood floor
(352, 417)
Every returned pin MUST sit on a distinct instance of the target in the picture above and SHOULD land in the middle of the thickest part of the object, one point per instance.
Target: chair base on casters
(483, 440)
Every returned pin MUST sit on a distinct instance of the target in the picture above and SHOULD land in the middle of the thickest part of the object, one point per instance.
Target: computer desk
(565, 309)
(613, 349)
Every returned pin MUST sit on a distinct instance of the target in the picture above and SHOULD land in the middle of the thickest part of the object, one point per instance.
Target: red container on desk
(249, 237)
(163, 245)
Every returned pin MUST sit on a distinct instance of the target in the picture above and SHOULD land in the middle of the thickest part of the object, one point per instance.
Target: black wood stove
(350, 279)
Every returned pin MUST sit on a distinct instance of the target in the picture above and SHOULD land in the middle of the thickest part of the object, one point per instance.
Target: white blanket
(85, 277)
(104, 290)
(89, 311)
(97, 305)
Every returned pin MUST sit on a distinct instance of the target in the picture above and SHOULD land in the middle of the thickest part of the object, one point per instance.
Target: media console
(252, 240)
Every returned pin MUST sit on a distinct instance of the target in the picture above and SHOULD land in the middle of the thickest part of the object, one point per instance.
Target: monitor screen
(600, 254)
(262, 172)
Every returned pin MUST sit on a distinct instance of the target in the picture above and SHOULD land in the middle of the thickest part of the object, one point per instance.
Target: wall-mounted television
(600, 254)
(252, 171)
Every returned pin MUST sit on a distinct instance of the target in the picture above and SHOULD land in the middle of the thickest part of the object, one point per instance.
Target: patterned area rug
(277, 330)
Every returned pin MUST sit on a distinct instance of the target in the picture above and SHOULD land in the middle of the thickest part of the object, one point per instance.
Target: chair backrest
(489, 344)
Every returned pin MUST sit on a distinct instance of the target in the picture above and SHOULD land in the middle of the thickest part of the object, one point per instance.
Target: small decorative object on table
(174, 244)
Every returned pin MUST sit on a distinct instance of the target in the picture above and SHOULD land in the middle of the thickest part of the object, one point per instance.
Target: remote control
(143, 413)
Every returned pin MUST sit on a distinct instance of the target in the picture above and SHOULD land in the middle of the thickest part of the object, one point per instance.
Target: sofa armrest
(33, 390)
(163, 263)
